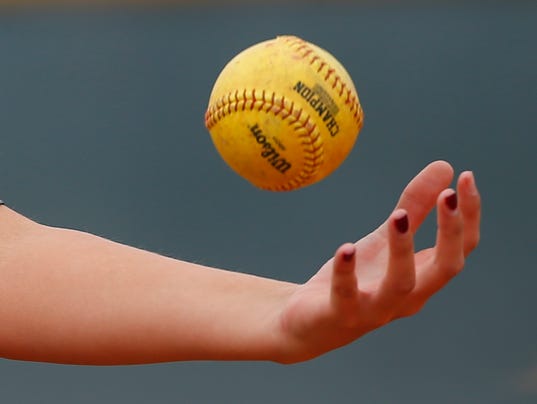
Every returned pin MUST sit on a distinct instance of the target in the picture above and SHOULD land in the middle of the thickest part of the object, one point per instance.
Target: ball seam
(345, 92)
(261, 100)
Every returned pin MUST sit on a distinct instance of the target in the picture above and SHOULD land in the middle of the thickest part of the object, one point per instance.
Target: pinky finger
(344, 289)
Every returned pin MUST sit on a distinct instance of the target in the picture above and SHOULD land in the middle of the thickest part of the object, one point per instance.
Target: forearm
(71, 297)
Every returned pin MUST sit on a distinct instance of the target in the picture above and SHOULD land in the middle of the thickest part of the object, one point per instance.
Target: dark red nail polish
(402, 224)
(451, 201)
(347, 257)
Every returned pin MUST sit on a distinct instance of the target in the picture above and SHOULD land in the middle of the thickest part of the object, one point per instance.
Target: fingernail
(451, 201)
(347, 257)
(401, 224)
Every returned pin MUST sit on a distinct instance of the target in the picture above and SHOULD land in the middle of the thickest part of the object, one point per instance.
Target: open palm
(380, 278)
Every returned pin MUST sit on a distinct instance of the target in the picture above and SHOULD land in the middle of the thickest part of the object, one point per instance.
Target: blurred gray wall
(101, 129)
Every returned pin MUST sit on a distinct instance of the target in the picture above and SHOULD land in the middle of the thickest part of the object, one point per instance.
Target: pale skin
(72, 297)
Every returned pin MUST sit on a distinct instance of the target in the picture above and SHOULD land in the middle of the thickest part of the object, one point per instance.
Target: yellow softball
(284, 114)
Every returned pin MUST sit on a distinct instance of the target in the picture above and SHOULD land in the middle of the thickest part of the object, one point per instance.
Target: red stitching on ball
(303, 48)
(306, 130)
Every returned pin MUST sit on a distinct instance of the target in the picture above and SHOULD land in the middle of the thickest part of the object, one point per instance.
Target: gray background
(101, 129)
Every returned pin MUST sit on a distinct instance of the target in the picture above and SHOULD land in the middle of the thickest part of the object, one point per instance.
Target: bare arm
(71, 297)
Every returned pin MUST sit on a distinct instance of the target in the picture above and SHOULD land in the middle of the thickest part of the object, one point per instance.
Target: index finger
(419, 196)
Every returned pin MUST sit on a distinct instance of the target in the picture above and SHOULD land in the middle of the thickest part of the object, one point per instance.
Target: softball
(284, 114)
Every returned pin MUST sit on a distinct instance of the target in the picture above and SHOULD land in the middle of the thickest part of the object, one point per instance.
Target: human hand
(380, 278)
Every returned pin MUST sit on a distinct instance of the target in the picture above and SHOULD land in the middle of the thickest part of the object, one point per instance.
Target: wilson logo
(268, 151)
